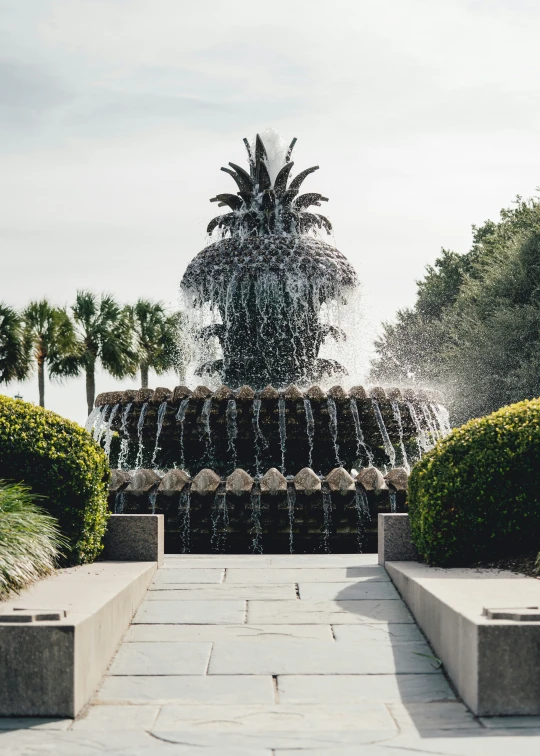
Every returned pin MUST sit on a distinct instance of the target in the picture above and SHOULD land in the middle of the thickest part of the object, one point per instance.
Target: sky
(116, 115)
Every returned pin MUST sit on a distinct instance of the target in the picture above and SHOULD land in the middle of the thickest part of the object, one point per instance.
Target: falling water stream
(291, 502)
(310, 427)
(362, 514)
(333, 423)
(98, 425)
(180, 417)
(184, 511)
(397, 417)
(206, 435)
(232, 430)
(256, 530)
(389, 449)
(282, 431)
(327, 518)
(360, 441)
(92, 417)
(124, 443)
(161, 415)
(259, 439)
(152, 497)
(140, 426)
(108, 430)
(119, 502)
(421, 438)
(220, 521)
(393, 500)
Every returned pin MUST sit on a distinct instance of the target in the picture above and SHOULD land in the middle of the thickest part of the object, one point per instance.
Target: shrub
(476, 496)
(30, 540)
(59, 460)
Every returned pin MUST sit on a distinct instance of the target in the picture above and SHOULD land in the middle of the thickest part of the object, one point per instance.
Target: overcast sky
(116, 116)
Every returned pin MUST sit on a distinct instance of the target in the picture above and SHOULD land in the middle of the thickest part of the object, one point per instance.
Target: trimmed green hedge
(59, 460)
(476, 496)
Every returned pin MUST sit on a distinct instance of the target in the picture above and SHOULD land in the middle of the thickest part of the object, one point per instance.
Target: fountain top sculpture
(267, 279)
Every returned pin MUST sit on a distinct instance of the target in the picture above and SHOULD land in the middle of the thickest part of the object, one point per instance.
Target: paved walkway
(280, 655)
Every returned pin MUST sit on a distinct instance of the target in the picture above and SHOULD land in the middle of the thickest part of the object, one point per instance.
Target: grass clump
(30, 540)
(476, 496)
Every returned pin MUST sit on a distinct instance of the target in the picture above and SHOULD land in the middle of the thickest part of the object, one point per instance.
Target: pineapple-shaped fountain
(270, 283)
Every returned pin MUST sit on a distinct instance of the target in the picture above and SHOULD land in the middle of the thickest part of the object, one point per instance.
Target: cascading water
(393, 500)
(180, 418)
(220, 521)
(389, 449)
(152, 498)
(360, 441)
(98, 426)
(92, 417)
(327, 518)
(124, 443)
(232, 430)
(119, 502)
(184, 512)
(432, 427)
(362, 515)
(333, 424)
(206, 431)
(108, 430)
(161, 414)
(140, 426)
(256, 529)
(310, 429)
(259, 439)
(282, 431)
(291, 502)
(421, 438)
(397, 417)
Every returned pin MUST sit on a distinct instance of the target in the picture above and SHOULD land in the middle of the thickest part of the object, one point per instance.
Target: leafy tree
(104, 335)
(14, 356)
(474, 330)
(156, 337)
(49, 336)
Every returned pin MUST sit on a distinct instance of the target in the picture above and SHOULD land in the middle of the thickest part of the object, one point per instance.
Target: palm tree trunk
(41, 380)
(90, 386)
(144, 375)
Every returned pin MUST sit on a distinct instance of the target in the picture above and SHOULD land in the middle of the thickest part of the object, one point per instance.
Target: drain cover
(518, 614)
(33, 615)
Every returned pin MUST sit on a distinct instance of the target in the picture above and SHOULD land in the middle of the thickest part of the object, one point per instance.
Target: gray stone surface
(395, 544)
(134, 538)
(493, 663)
(339, 591)
(53, 668)
(194, 592)
(207, 677)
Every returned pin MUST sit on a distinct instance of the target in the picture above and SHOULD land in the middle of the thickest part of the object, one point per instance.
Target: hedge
(59, 460)
(476, 496)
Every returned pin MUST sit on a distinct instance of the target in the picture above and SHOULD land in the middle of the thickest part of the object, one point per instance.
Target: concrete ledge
(52, 667)
(395, 544)
(493, 663)
(135, 538)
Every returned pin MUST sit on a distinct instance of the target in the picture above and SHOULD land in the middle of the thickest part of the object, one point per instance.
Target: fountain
(269, 289)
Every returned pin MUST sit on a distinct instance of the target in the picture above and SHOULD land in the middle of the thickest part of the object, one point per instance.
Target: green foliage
(14, 357)
(476, 496)
(60, 461)
(156, 336)
(30, 541)
(474, 331)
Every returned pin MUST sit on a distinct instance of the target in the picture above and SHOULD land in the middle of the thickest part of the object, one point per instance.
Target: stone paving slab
(247, 633)
(189, 689)
(325, 689)
(306, 575)
(260, 561)
(191, 612)
(338, 591)
(380, 632)
(327, 612)
(189, 575)
(161, 659)
(433, 717)
(194, 592)
(118, 717)
(296, 656)
(342, 716)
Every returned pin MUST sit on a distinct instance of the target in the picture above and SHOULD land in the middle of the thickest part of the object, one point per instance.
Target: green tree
(103, 335)
(156, 337)
(14, 356)
(49, 337)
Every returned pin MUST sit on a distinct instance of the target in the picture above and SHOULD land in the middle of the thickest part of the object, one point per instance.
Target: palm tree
(14, 356)
(48, 334)
(156, 337)
(104, 335)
